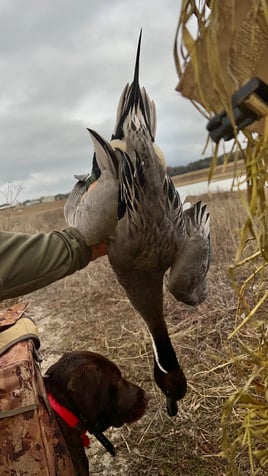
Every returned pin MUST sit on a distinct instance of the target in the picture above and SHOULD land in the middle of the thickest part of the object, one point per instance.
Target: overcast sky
(63, 65)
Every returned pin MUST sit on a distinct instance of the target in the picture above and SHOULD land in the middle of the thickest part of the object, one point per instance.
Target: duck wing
(92, 206)
(187, 277)
(174, 210)
(74, 198)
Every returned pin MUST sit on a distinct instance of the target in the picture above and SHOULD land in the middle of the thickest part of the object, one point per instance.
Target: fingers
(98, 250)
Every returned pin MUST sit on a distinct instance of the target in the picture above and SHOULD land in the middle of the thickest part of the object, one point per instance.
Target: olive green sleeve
(29, 262)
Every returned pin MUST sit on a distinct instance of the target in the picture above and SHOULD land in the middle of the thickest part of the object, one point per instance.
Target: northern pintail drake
(153, 233)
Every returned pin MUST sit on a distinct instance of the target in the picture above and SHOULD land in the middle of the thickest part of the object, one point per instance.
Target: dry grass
(90, 310)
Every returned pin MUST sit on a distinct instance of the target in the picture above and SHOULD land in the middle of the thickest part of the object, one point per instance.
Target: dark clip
(249, 104)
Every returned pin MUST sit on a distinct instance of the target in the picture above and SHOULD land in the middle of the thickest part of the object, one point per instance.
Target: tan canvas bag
(30, 440)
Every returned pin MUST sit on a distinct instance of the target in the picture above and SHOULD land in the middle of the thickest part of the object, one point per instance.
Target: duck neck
(164, 354)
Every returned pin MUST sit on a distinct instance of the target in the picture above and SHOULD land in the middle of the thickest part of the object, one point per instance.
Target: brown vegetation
(89, 310)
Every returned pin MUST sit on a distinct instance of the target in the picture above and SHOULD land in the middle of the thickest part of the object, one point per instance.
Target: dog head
(92, 387)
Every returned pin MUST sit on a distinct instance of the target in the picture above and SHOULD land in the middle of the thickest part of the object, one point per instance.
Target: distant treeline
(199, 164)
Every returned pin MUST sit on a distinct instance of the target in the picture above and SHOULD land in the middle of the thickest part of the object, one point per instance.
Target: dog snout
(139, 403)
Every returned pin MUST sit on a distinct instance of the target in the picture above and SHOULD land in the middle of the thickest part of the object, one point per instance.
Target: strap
(18, 411)
(69, 417)
(23, 329)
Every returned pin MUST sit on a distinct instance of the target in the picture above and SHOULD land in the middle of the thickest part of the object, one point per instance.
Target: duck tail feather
(120, 113)
(135, 102)
(149, 113)
(137, 69)
(129, 98)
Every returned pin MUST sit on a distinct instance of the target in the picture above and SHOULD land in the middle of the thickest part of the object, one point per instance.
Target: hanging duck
(152, 232)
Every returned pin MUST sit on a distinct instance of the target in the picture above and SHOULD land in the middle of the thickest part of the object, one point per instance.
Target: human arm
(29, 262)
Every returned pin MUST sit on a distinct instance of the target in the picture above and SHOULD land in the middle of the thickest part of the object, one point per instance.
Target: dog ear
(89, 392)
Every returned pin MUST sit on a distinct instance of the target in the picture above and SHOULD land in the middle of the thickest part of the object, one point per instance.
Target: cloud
(63, 66)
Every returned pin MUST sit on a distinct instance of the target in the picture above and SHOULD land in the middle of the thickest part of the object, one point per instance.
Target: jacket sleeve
(29, 262)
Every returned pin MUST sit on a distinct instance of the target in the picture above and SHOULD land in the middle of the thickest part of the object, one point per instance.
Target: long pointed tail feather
(135, 102)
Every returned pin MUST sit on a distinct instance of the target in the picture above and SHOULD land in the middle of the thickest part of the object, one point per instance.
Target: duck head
(168, 373)
(173, 384)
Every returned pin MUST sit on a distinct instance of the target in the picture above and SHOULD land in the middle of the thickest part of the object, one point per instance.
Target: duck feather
(153, 232)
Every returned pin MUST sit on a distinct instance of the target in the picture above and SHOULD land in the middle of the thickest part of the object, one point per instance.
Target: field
(221, 172)
(89, 310)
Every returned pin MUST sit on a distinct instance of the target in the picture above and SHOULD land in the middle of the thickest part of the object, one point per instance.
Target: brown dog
(92, 388)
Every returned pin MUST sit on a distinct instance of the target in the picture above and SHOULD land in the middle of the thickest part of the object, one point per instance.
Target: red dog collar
(68, 417)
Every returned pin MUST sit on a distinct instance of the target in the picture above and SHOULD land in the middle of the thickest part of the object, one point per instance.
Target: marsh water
(214, 187)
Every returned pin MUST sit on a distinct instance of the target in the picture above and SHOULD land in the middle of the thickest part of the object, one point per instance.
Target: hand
(98, 250)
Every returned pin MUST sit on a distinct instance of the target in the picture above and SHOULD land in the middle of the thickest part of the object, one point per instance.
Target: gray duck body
(153, 232)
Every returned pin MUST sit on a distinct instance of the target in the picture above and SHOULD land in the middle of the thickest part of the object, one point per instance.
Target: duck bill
(172, 407)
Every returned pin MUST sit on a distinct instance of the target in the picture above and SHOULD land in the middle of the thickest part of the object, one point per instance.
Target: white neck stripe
(156, 355)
